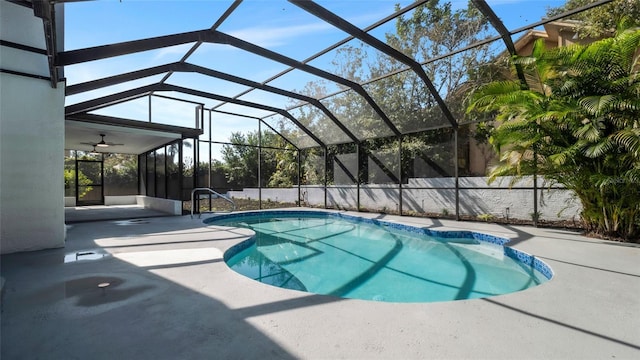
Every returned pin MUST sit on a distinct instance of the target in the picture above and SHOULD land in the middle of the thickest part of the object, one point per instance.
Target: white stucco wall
(31, 140)
(173, 207)
(31, 164)
(120, 200)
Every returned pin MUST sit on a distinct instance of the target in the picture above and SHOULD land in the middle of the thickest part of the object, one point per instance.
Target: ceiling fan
(101, 143)
(96, 152)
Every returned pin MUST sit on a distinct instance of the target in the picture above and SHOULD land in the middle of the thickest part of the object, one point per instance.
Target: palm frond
(628, 42)
(563, 155)
(500, 171)
(589, 131)
(633, 176)
(629, 139)
(487, 97)
(632, 105)
(596, 105)
(599, 149)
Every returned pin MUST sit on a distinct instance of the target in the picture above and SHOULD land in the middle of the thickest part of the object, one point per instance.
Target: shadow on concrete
(521, 236)
(587, 266)
(559, 323)
(57, 310)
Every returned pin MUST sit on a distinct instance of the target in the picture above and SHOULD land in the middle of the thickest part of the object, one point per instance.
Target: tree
(578, 124)
(241, 160)
(70, 183)
(432, 29)
(435, 29)
(286, 172)
(120, 174)
(602, 20)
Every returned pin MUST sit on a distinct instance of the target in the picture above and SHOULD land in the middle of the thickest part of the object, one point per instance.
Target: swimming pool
(352, 257)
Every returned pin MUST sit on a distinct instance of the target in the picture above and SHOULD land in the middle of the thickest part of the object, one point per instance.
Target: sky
(273, 24)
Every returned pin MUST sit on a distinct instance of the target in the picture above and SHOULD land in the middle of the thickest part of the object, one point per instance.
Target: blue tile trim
(232, 251)
(527, 259)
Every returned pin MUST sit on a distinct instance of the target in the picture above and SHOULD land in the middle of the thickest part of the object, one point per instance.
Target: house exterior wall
(555, 34)
(31, 140)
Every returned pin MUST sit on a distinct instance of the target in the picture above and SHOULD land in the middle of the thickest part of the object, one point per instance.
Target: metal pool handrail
(233, 204)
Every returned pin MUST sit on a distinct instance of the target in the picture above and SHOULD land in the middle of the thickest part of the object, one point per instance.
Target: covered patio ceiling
(122, 136)
(199, 79)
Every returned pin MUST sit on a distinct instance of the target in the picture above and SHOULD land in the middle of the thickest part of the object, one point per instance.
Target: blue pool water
(351, 257)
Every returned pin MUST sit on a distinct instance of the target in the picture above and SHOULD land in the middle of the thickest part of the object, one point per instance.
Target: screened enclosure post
(210, 160)
(166, 174)
(180, 144)
(400, 174)
(155, 172)
(196, 159)
(196, 172)
(259, 165)
(139, 175)
(359, 174)
(324, 149)
(535, 214)
(299, 178)
(150, 107)
(456, 172)
(76, 177)
(102, 177)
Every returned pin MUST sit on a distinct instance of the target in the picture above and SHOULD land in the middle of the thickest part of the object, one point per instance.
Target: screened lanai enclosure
(351, 105)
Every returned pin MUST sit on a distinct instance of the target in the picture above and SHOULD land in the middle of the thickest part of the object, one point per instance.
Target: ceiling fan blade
(101, 144)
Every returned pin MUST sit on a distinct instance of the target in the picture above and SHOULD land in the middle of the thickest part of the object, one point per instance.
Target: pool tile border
(523, 257)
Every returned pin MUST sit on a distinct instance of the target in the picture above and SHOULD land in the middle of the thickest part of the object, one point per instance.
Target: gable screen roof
(328, 71)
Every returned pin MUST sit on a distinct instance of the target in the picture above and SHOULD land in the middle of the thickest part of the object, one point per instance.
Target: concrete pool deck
(171, 296)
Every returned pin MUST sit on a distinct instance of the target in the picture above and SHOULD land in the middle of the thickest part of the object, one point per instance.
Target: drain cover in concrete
(85, 255)
(131, 222)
